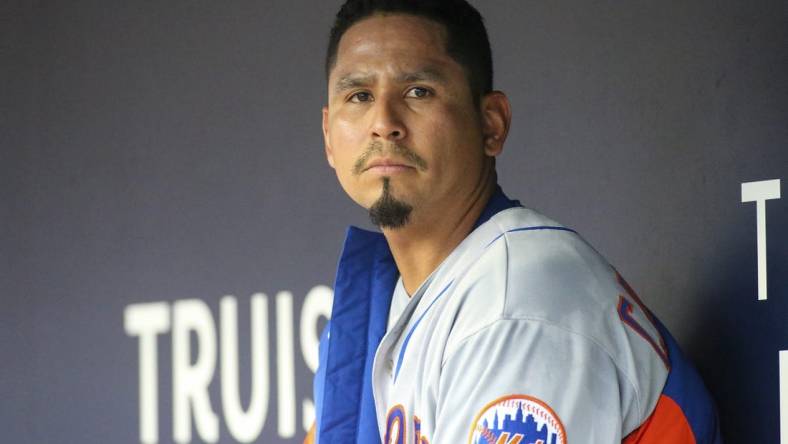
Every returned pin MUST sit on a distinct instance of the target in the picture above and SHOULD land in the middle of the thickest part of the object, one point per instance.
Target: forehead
(392, 42)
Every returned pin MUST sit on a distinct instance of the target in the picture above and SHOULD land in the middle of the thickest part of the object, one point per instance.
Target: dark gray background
(170, 150)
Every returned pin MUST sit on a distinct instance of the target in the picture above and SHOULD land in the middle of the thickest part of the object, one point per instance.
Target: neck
(419, 247)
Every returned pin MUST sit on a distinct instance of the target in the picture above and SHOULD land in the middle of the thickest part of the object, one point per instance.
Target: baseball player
(470, 318)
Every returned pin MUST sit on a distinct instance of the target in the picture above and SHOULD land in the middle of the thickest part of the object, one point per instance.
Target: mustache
(376, 148)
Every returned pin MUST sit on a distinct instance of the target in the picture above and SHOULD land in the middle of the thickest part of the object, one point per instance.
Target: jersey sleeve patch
(517, 419)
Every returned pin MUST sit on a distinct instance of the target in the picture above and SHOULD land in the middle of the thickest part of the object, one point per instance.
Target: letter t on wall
(759, 192)
(146, 321)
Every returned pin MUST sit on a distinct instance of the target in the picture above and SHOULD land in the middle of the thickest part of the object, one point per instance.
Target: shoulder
(541, 274)
(552, 273)
(535, 268)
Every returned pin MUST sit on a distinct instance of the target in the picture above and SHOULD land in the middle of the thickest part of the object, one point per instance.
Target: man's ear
(496, 118)
(326, 139)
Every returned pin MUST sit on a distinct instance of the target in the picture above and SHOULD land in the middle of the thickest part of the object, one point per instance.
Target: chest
(406, 371)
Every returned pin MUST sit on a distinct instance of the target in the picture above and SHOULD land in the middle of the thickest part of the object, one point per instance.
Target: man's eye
(361, 97)
(418, 92)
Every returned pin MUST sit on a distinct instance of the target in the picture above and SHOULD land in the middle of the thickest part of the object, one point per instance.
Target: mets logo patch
(517, 419)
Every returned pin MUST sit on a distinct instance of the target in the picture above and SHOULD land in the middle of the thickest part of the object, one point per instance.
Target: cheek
(347, 140)
(455, 134)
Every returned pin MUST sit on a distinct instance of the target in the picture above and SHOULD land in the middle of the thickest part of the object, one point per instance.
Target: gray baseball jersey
(517, 337)
(523, 335)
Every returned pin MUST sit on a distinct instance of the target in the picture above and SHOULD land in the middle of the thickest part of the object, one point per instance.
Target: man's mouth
(388, 166)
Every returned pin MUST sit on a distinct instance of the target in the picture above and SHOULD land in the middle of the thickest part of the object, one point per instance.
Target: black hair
(466, 41)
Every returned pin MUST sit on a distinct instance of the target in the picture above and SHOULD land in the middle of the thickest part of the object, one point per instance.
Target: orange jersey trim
(310, 435)
(666, 424)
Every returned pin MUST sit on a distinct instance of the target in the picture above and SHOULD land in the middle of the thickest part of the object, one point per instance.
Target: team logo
(517, 419)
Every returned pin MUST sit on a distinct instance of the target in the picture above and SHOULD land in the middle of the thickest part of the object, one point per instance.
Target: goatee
(388, 212)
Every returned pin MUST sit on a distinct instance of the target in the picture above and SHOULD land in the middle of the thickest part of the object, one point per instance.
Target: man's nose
(387, 123)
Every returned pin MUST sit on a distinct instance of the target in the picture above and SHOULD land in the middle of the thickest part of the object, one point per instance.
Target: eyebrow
(426, 74)
(350, 81)
(354, 80)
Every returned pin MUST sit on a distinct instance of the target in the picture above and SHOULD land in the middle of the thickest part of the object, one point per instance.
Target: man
(470, 318)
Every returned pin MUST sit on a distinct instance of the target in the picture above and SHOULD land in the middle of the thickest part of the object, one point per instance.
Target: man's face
(401, 124)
